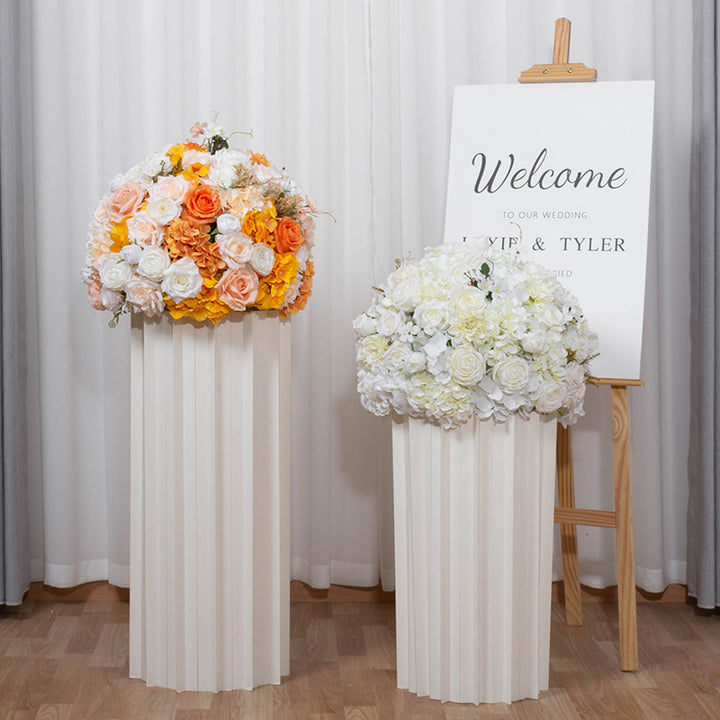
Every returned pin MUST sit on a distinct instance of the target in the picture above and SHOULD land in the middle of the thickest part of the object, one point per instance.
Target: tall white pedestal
(473, 555)
(210, 524)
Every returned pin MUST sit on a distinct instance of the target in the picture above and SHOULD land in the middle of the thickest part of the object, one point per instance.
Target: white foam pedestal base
(473, 558)
(210, 470)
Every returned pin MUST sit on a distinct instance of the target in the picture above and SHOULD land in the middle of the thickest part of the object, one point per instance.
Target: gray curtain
(704, 465)
(14, 546)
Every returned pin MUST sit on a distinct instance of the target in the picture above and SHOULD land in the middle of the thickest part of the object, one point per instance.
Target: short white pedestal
(473, 554)
(210, 469)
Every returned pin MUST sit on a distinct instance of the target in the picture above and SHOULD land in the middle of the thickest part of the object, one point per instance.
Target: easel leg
(568, 533)
(624, 530)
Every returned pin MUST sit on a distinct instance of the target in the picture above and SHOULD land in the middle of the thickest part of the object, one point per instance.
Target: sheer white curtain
(353, 97)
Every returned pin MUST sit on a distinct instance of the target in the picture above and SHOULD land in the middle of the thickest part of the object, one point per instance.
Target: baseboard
(100, 591)
(300, 592)
(672, 594)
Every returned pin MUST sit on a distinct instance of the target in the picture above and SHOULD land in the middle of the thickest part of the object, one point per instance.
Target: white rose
(469, 298)
(403, 273)
(396, 356)
(131, 253)
(466, 365)
(182, 280)
(162, 210)
(153, 263)
(431, 316)
(155, 164)
(235, 249)
(112, 300)
(227, 224)
(225, 166)
(550, 397)
(145, 296)
(511, 374)
(535, 342)
(389, 322)
(173, 187)
(415, 362)
(406, 294)
(190, 157)
(115, 272)
(262, 259)
(364, 325)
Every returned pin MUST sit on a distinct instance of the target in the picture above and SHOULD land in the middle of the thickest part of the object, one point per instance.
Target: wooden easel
(566, 513)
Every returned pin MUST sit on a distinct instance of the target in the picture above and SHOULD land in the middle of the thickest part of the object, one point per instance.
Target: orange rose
(288, 235)
(202, 204)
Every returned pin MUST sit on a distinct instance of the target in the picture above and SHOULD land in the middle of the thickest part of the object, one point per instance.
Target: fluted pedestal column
(210, 470)
(473, 556)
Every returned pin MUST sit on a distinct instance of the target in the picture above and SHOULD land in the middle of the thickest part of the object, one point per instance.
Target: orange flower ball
(202, 204)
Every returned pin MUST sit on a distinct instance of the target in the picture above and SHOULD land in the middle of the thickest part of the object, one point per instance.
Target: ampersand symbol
(539, 244)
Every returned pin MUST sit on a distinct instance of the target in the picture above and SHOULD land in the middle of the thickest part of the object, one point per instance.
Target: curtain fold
(704, 466)
(14, 519)
(353, 97)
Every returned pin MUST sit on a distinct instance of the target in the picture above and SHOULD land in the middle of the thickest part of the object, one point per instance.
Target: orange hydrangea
(206, 306)
(185, 238)
(303, 294)
(260, 224)
(273, 287)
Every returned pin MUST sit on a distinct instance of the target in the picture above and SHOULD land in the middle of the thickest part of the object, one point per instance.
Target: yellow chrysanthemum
(206, 306)
(273, 287)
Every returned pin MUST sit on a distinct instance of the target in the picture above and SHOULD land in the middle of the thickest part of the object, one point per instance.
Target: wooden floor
(69, 660)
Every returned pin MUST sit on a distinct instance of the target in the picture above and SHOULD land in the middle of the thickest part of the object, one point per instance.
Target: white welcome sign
(561, 172)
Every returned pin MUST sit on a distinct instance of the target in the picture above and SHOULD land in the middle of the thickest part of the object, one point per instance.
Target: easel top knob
(560, 70)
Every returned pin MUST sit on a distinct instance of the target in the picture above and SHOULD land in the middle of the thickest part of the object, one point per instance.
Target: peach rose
(202, 204)
(238, 288)
(124, 201)
(95, 294)
(170, 186)
(288, 235)
(143, 230)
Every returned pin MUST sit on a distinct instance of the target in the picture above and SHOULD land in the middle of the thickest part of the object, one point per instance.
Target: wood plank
(679, 676)
(624, 529)
(581, 516)
(568, 531)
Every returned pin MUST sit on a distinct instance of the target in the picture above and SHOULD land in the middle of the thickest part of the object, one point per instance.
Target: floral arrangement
(201, 230)
(468, 330)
